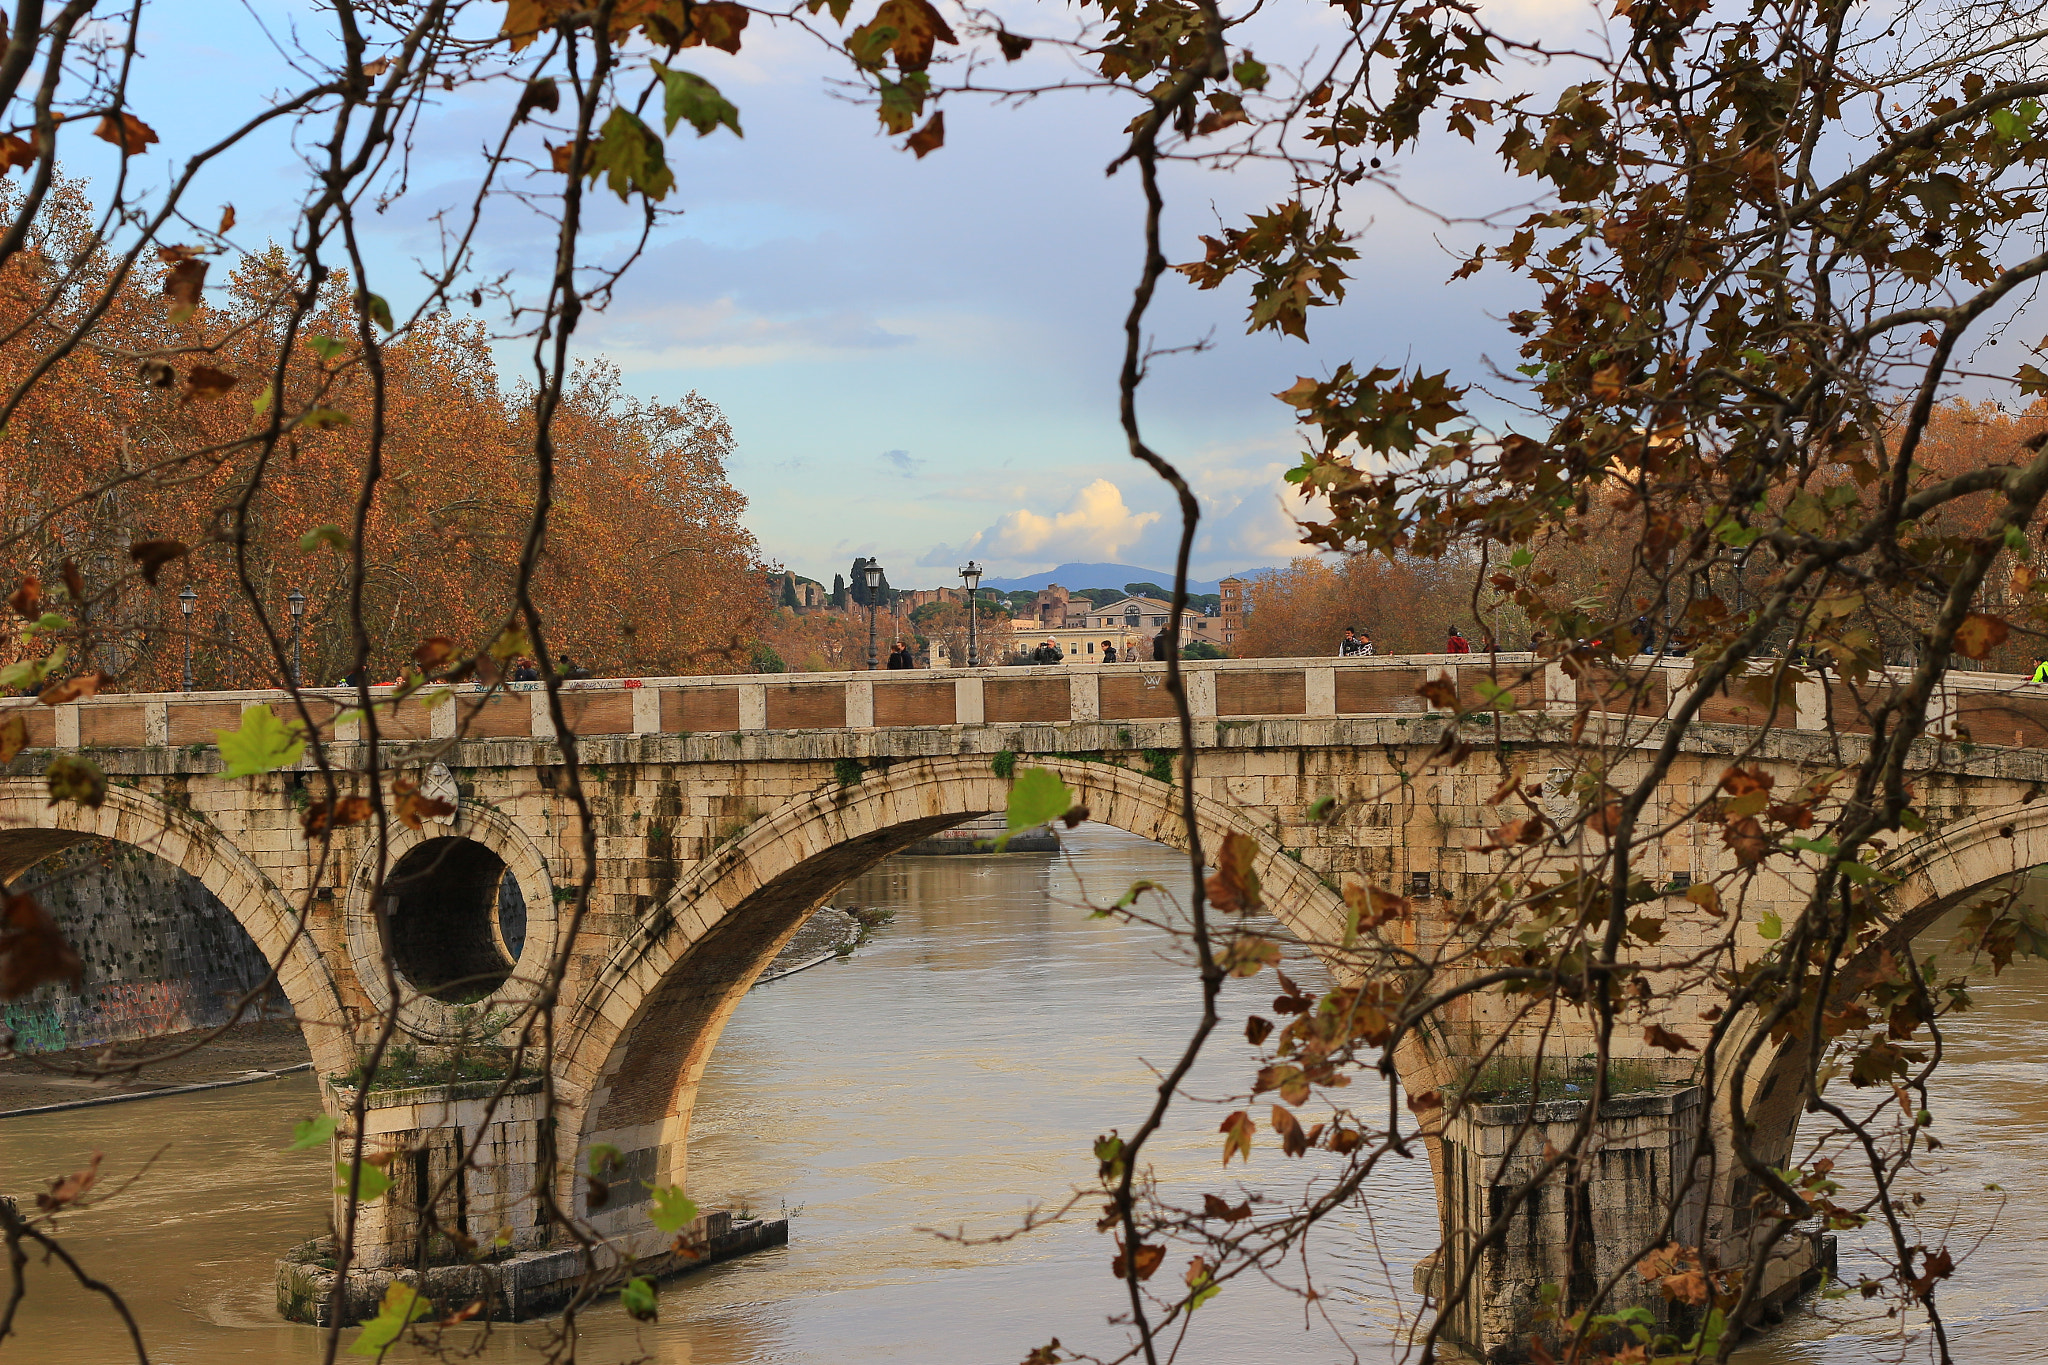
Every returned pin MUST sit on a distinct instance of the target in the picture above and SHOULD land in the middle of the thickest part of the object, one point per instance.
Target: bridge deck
(1989, 708)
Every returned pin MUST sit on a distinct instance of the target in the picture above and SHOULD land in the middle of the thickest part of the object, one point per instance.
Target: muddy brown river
(948, 1077)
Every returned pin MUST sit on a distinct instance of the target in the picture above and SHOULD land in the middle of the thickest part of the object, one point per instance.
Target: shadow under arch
(647, 1023)
(1936, 873)
(31, 829)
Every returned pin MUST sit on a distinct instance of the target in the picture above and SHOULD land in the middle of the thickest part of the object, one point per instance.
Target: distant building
(1232, 592)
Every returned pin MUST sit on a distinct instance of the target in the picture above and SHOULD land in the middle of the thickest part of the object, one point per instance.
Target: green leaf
(1203, 1290)
(1250, 73)
(1320, 808)
(260, 404)
(371, 1182)
(380, 311)
(1138, 888)
(673, 1210)
(329, 534)
(636, 1296)
(1037, 797)
(311, 1133)
(263, 744)
(402, 1306)
(1522, 558)
(1771, 927)
(629, 156)
(323, 419)
(327, 347)
(692, 99)
(602, 1157)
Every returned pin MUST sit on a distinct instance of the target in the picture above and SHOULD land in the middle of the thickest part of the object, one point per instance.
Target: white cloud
(1095, 526)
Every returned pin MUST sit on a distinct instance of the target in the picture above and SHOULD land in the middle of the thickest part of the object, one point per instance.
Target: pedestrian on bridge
(2040, 669)
(1457, 644)
(1048, 653)
(1109, 651)
(900, 657)
(1355, 644)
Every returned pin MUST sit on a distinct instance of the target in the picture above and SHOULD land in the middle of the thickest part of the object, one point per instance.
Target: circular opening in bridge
(458, 920)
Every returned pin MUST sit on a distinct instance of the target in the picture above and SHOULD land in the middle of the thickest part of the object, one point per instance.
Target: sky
(918, 357)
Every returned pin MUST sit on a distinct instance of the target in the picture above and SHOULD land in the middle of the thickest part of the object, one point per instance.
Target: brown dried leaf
(1214, 1207)
(204, 381)
(74, 581)
(26, 601)
(321, 817)
(1979, 634)
(70, 1189)
(929, 138)
(227, 218)
(717, 24)
(1746, 837)
(125, 131)
(13, 738)
(433, 651)
(1656, 1035)
(70, 690)
(32, 951)
(184, 283)
(152, 555)
(1149, 1257)
(1439, 693)
(16, 152)
(1235, 885)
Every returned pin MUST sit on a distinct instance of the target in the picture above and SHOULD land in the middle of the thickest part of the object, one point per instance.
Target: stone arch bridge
(727, 809)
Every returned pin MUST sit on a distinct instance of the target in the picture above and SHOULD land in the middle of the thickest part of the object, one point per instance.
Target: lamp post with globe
(971, 576)
(873, 572)
(185, 601)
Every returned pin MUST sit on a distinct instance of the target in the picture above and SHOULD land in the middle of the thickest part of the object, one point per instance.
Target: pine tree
(789, 590)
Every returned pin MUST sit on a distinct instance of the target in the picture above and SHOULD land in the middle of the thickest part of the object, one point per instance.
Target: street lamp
(297, 602)
(873, 571)
(971, 576)
(185, 601)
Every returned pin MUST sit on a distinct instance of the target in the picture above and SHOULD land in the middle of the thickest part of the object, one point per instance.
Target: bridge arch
(32, 829)
(639, 1044)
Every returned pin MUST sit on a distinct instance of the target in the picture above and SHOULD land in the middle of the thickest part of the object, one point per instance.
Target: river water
(947, 1077)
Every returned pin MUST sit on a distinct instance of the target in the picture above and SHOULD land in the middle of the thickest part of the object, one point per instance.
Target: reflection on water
(949, 1077)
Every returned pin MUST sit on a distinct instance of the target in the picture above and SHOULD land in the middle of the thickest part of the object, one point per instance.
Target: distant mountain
(1097, 576)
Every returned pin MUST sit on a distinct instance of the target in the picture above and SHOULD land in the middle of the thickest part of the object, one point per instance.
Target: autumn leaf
(152, 555)
(68, 1190)
(1439, 693)
(184, 281)
(79, 780)
(929, 138)
(1979, 634)
(716, 24)
(413, 807)
(321, 817)
(540, 93)
(26, 601)
(433, 652)
(204, 381)
(560, 158)
(1149, 1257)
(1234, 886)
(227, 218)
(1013, 46)
(1656, 1035)
(13, 738)
(15, 153)
(32, 951)
(125, 131)
(1237, 1133)
(1746, 837)
(73, 689)
(1215, 1207)
(909, 29)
